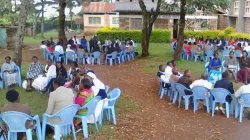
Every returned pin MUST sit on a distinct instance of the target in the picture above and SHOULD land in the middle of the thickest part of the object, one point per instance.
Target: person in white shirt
(69, 49)
(161, 74)
(245, 89)
(168, 70)
(43, 45)
(202, 82)
(59, 48)
(75, 40)
(191, 39)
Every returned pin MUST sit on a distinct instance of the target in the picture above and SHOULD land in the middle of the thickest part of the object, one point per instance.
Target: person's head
(85, 84)
(169, 64)
(204, 76)
(194, 43)
(34, 58)
(43, 42)
(83, 37)
(187, 73)
(58, 43)
(189, 43)
(231, 54)
(216, 55)
(58, 82)
(175, 71)
(130, 43)
(49, 62)
(59, 64)
(225, 75)
(161, 68)
(13, 96)
(73, 65)
(7, 59)
(185, 42)
(173, 62)
(74, 36)
(244, 54)
(239, 45)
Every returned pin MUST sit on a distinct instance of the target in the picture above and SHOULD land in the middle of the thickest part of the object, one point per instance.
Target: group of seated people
(169, 72)
(62, 96)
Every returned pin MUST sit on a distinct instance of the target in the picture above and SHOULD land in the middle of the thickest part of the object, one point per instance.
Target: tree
(71, 4)
(9, 10)
(61, 22)
(189, 7)
(149, 18)
(24, 10)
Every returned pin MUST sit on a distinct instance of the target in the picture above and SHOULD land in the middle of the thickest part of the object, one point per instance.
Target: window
(94, 20)
(236, 7)
(248, 7)
(115, 20)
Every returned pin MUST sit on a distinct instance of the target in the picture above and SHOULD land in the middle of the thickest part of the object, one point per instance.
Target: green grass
(35, 41)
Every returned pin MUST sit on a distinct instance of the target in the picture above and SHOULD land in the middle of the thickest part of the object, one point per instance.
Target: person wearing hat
(97, 86)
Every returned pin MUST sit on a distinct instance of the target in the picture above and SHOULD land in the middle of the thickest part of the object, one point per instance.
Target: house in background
(238, 16)
(97, 15)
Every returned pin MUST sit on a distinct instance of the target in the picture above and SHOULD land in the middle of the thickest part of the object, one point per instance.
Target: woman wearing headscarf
(98, 87)
(9, 69)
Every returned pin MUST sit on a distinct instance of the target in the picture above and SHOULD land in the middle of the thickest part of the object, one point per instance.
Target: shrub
(157, 36)
(229, 30)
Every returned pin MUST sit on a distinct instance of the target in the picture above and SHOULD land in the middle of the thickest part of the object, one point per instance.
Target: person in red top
(188, 48)
(50, 48)
(231, 41)
(238, 47)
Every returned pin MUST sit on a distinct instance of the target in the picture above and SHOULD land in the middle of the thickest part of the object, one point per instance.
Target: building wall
(247, 25)
(222, 22)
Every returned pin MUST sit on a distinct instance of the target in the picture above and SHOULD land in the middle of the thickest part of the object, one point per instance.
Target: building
(238, 16)
(97, 15)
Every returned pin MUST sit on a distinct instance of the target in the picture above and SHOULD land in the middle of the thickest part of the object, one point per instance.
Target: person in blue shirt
(84, 44)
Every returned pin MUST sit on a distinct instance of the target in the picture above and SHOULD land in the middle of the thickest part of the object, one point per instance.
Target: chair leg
(113, 115)
(29, 134)
(227, 109)
(207, 104)
(241, 113)
(179, 102)
(96, 126)
(175, 97)
(213, 108)
(57, 132)
(195, 104)
(43, 129)
(186, 102)
(85, 127)
(162, 93)
(73, 131)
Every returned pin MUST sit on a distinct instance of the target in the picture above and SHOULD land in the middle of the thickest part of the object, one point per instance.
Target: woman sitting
(74, 76)
(34, 71)
(244, 72)
(98, 87)
(61, 70)
(83, 97)
(214, 69)
(188, 49)
(129, 48)
(8, 68)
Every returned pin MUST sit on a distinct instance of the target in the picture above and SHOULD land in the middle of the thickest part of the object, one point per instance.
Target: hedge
(228, 32)
(157, 36)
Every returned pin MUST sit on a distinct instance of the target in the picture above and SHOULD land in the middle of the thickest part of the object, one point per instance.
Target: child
(83, 97)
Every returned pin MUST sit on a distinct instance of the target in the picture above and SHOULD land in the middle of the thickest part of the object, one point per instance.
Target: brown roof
(98, 7)
(79, 21)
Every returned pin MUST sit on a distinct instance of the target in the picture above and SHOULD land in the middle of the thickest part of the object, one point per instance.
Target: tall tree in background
(24, 11)
(71, 4)
(189, 7)
(9, 9)
(149, 17)
(61, 22)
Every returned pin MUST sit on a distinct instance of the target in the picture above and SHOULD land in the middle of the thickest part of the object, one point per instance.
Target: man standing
(231, 65)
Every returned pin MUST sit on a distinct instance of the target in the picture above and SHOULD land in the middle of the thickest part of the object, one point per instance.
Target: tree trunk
(34, 26)
(17, 53)
(181, 30)
(42, 23)
(12, 21)
(61, 21)
(71, 19)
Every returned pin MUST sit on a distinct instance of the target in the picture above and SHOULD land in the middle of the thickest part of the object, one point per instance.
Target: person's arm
(238, 92)
(164, 79)
(51, 105)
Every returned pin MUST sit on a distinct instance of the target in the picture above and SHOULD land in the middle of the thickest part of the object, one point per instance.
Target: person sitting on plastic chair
(186, 81)
(14, 105)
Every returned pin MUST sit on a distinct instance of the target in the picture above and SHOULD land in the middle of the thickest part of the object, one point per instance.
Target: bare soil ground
(154, 118)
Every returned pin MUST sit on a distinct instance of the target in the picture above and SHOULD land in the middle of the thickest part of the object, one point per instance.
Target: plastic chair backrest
(80, 54)
(114, 54)
(56, 53)
(96, 54)
(67, 113)
(220, 94)
(92, 105)
(246, 99)
(113, 96)
(15, 120)
(199, 92)
(106, 88)
(209, 53)
(181, 89)
(225, 52)
(70, 55)
(237, 53)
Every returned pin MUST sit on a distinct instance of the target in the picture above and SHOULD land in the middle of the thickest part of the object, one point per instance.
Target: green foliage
(157, 36)
(228, 32)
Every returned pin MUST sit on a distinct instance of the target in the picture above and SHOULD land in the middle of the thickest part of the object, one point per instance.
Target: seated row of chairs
(200, 93)
(3, 80)
(16, 121)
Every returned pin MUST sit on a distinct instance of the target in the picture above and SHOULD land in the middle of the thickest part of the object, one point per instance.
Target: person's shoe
(54, 137)
(223, 110)
(216, 108)
(78, 129)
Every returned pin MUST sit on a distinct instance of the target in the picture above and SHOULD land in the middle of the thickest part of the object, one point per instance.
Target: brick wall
(124, 23)
(161, 24)
(247, 25)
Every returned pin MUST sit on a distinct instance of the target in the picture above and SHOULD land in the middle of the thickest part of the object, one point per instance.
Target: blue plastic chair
(81, 57)
(209, 54)
(111, 57)
(206, 65)
(194, 55)
(238, 53)
(5, 79)
(91, 106)
(162, 89)
(225, 53)
(96, 56)
(66, 116)
(242, 102)
(44, 51)
(49, 55)
(220, 95)
(106, 88)
(120, 57)
(113, 96)
(71, 56)
(200, 93)
(16, 123)
(58, 57)
(173, 90)
(181, 92)
(186, 54)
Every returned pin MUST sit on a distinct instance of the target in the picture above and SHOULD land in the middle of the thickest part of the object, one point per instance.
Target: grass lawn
(160, 53)
(30, 40)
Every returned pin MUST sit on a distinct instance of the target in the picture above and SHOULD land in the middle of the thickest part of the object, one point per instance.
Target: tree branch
(143, 6)
(156, 13)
